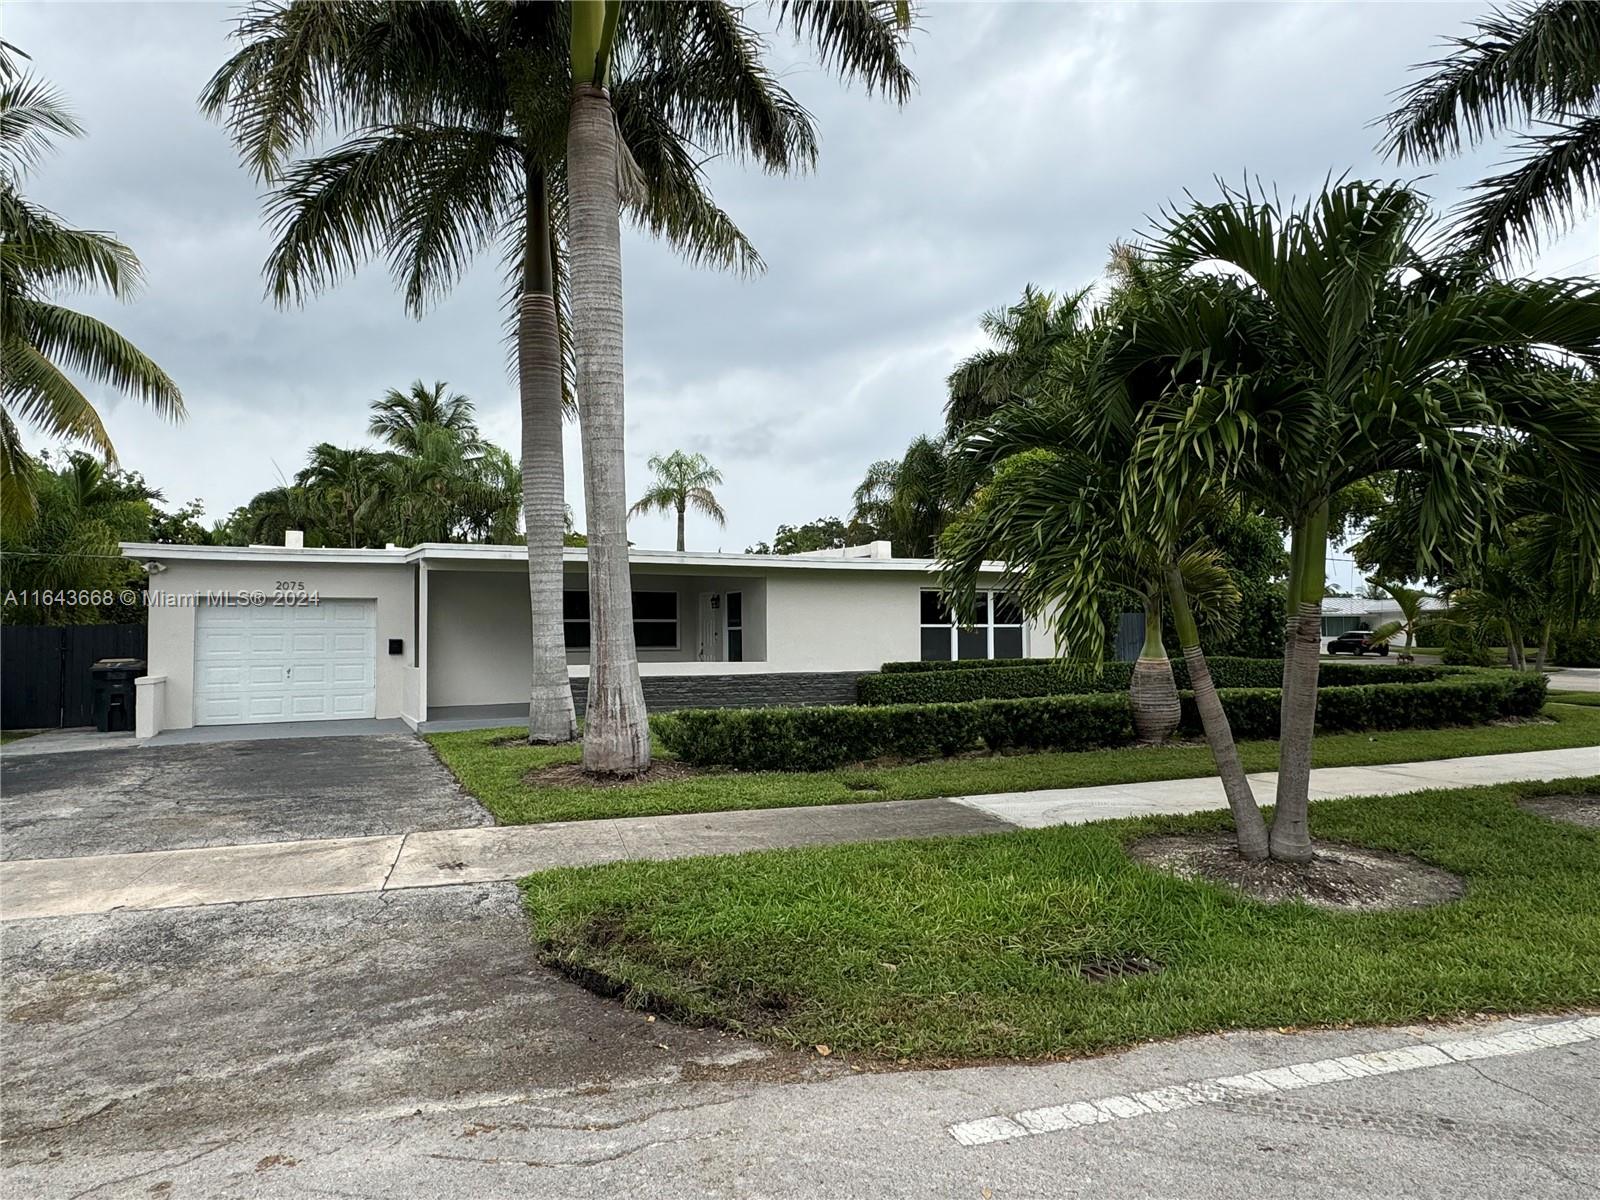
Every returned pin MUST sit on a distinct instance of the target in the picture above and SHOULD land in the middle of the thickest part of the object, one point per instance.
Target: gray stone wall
(662, 693)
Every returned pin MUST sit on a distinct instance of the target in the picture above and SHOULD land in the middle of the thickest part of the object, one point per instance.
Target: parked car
(1357, 641)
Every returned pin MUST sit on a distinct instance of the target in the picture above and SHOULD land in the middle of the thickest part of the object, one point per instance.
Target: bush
(1461, 700)
(965, 664)
(1044, 677)
(1470, 654)
(1580, 648)
(815, 739)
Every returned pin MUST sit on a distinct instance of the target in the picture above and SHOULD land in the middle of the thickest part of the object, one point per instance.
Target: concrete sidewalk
(334, 866)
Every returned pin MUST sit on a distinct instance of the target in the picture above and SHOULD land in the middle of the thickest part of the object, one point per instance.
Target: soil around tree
(571, 775)
(1580, 809)
(1339, 878)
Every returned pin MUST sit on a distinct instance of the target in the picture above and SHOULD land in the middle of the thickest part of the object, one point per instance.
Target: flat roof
(445, 553)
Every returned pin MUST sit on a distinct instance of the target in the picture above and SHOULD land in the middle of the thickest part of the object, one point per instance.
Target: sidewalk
(334, 866)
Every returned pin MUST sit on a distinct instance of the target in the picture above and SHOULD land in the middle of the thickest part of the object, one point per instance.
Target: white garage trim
(294, 662)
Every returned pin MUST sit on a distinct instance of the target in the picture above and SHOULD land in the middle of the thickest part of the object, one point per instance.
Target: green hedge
(815, 739)
(965, 664)
(1044, 677)
(1580, 648)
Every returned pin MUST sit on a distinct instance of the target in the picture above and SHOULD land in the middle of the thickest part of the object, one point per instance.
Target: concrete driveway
(119, 801)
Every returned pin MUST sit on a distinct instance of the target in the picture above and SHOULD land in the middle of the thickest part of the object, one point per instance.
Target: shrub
(1459, 700)
(815, 739)
(965, 664)
(1470, 654)
(1579, 648)
(1043, 677)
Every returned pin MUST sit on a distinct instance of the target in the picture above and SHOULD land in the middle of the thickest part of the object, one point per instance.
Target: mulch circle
(572, 775)
(1339, 878)
(1582, 810)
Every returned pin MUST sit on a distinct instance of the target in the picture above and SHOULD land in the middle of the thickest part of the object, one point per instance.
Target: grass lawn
(494, 773)
(1588, 699)
(15, 735)
(956, 948)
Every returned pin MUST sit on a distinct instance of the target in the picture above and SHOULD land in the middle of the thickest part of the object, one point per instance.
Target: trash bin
(114, 693)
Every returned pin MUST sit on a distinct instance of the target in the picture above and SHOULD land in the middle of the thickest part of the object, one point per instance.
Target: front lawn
(492, 767)
(16, 735)
(1587, 699)
(960, 948)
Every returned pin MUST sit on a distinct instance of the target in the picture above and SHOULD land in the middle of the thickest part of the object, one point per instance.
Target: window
(735, 626)
(655, 620)
(996, 629)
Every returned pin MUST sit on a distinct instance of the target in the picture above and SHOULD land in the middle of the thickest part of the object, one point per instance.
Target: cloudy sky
(1039, 134)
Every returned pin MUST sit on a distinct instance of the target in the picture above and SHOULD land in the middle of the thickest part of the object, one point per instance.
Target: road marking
(1077, 1114)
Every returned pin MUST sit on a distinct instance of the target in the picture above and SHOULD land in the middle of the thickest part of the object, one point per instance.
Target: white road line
(1079, 1113)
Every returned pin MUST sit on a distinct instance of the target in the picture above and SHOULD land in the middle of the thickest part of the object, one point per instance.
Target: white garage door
(312, 662)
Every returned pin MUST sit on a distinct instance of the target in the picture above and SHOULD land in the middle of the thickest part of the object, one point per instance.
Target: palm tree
(910, 500)
(40, 341)
(400, 418)
(1023, 339)
(457, 116)
(346, 487)
(1413, 616)
(683, 481)
(1531, 64)
(633, 41)
(1342, 353)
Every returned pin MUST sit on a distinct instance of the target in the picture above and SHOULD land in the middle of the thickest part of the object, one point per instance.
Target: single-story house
(438, 634)
(1340, 614)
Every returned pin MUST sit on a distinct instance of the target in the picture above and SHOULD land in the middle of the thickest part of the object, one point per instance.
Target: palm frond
(92, 348)
(1556, 176)
(858, 39)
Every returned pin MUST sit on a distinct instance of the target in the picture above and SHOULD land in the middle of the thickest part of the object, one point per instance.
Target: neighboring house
(1340, 614)
(438, 635)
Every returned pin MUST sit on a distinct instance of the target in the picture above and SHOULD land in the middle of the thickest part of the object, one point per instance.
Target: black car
(1357, 641)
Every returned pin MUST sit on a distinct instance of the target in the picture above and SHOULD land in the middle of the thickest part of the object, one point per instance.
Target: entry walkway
(334, 866)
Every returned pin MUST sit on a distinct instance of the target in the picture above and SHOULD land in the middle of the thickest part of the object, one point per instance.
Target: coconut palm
(1345, 353)
(43, 344)
(456, 116)
(613, 45)
(399, 419)
(683, 481)
(1023, 339)
(1528, 65)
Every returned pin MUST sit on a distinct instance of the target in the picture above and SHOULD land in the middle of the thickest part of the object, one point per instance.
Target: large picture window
(655, 620)
(996, 629)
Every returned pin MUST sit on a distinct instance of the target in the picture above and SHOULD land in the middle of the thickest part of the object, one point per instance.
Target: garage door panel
(270, 663)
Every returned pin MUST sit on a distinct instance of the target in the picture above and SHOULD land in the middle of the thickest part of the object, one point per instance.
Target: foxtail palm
(40, 341)
(1344, 353)
(457, 116)
(683, 481)
(631, 41)
(1530, 64)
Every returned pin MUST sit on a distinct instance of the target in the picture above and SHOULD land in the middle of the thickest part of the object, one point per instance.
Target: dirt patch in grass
(1581, 810)
(1513, 722)
(1339, 878)
(571, 775)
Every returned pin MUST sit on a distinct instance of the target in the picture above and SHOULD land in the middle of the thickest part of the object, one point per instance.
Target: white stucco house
(438, 635)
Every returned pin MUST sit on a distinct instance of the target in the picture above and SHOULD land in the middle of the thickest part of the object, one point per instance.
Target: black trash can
(114, 693)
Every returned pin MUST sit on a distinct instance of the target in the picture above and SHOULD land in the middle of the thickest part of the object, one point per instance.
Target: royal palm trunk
(551, 716)
(1249, 829)
(1152, 691)
(1297, 713)
(616, 738)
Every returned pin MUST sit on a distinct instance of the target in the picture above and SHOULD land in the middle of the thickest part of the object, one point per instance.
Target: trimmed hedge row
(816, 739)
(964, 664)
(1045, 677)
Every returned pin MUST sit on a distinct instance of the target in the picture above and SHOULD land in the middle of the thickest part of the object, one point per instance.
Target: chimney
(294, 539)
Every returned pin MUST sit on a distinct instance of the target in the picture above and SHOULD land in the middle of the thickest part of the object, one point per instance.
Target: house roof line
(447, 552)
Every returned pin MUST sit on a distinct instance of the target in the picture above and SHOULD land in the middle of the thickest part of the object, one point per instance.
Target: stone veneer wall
(662, 693)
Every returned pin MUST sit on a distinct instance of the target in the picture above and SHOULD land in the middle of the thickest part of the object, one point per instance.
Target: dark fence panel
(1130, 636)
(44, 671)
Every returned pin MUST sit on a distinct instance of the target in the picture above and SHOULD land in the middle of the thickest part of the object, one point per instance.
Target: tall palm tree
(1023, 339)
(683, 481)
(456, 116)
(613, 46)
(399, 418)
(1530, 64)
(41, 342)
(348, 488)
(1344, 353)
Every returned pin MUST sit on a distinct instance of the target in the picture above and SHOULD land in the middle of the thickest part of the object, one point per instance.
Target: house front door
(711, 626)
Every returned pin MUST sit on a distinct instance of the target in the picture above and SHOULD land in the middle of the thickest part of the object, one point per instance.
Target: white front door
(711, 625)
(312, 662)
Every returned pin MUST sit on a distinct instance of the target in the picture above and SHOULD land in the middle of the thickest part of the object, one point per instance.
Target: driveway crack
(398, 851)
